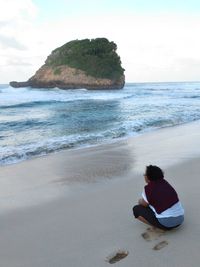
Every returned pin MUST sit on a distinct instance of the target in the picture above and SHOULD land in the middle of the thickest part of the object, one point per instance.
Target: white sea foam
(35, 122)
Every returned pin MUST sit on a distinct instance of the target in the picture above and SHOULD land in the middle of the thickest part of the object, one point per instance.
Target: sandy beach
(74, 208)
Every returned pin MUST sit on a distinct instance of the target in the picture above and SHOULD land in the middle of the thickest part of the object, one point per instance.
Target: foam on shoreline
(45, 178)
(37, 122)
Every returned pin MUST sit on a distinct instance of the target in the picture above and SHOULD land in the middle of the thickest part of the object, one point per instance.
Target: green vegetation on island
(97, 57)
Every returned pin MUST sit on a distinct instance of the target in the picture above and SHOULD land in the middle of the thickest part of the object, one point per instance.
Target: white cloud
(152, 48)
(17, 61)
(10, 42)
(17, 23)
(12, 9)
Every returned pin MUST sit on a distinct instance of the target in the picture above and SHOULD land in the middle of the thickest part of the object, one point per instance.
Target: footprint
(160, 245)
(152, 233)
(117, 256)
(146, 236)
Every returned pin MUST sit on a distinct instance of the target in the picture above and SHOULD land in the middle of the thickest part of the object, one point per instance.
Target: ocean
(36, 122)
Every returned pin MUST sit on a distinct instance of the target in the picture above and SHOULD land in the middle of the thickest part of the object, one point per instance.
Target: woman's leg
(146, 215)
(140, 218)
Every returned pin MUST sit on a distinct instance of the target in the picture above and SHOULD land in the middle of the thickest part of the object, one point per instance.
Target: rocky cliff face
(70, 78)
(67, 77)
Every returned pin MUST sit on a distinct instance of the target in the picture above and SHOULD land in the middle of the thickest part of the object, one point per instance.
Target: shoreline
(126, 138)
(97, 117)
(68, 172)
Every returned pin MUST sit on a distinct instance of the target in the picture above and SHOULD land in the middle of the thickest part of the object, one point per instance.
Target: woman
(159, 205)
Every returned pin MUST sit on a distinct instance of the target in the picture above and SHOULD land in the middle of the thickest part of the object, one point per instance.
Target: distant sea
(35, 122)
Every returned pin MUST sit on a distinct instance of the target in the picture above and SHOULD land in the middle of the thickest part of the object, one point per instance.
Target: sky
(157, 40)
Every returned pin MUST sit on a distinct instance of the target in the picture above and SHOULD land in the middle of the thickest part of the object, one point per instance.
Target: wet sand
(74, 208)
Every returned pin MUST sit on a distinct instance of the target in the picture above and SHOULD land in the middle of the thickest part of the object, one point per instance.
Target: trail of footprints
(152, 233)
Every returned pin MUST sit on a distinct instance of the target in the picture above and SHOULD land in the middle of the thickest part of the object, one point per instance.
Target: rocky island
(90, 64)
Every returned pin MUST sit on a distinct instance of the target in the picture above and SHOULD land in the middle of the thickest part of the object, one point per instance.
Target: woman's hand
(142, 202)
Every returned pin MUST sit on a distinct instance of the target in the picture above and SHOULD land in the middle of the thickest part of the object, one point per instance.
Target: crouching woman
(159, 205)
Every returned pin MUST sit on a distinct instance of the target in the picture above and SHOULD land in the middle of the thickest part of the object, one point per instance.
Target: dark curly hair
(154, 173)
